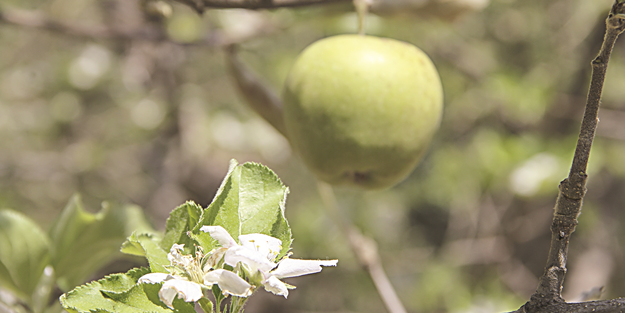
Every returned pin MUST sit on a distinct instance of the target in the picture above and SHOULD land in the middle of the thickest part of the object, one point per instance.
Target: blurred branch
(216, 39)
(448, 9)
(39, 21)
(258, 95)
(547, 297)
(364, 248)
(201, 5)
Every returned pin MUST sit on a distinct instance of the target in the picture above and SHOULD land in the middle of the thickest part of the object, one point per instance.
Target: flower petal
(176, 247)
(297, 267)
(254, 260)
(229, 282)
(214, 257)
(187, 290)
(175, 256)
(221, 235)
(167, 296)
(276, 286)
(265, 245)
(154, 278)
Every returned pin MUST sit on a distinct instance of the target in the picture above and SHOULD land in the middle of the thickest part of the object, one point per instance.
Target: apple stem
(362, 8)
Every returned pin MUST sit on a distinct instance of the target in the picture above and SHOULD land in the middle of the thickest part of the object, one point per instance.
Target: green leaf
(121, 282)
(84, 242)
(222, 211)
(206, 305)
(89, 297)
(251, 199)
(146, 245)
(180, 221)
(24, 253)
(145, 297)
(262, 204)
(120, 293)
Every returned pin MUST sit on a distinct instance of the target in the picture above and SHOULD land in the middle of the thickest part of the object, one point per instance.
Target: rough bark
(547, 297)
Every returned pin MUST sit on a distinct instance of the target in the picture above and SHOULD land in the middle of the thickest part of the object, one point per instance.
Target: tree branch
(32, 20)
(39, 21)
(260, 97)
(547, 297)
(604, 306)
(201, 5)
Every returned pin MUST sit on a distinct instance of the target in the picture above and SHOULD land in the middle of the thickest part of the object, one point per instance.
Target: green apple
(361, 110)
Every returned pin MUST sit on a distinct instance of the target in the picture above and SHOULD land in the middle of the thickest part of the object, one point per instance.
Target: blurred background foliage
(154, 123)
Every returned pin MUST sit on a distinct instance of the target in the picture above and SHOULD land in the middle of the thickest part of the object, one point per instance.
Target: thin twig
(201, 5)
(547, 297)
(25, 19)
(364, 248)
(39, 21)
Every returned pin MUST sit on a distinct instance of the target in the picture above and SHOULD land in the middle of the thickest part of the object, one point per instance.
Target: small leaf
(119, 293)
(180, 221)
(121, 282)
(146, 245)
(222, 211)
(86, 298)
(206, 305)
(144, 297)
(84, 242)
(218, 294)
(24, 253)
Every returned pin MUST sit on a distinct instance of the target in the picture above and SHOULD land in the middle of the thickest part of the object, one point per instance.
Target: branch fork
(547, 297)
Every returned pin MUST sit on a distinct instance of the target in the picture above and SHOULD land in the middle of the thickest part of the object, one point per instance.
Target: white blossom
(257, 253)
(288, 267)
(229, 282)
(187, 279)
(173, 286)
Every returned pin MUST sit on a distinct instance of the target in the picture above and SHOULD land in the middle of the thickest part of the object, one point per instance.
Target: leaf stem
(235, 305)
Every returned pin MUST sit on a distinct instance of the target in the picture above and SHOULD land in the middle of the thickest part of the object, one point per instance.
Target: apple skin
(361, 110)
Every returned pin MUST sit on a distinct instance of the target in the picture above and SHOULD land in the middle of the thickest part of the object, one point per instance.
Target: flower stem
(236, 304)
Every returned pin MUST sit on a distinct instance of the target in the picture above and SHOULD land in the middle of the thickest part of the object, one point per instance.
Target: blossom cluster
(238, 268)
